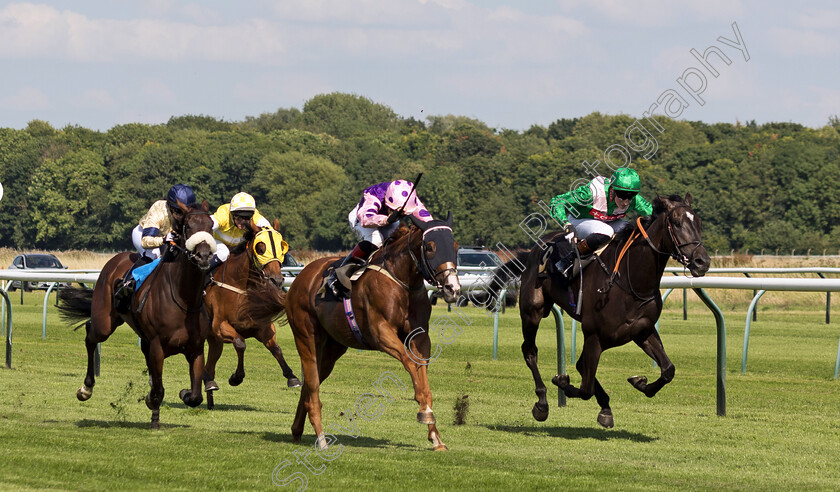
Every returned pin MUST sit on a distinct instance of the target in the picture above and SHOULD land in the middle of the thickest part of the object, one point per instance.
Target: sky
(511, 65)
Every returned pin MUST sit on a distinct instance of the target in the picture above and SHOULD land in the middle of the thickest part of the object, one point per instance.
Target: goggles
(624, 194)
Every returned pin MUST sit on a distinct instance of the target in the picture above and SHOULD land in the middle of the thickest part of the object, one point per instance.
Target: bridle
(677, 254)
(181, 249)
(423, 265)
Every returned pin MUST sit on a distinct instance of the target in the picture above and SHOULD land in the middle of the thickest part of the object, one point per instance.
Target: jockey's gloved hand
(171, 237)
(395, 216)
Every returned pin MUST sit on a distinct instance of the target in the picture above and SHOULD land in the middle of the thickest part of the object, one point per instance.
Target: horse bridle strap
(227, 286)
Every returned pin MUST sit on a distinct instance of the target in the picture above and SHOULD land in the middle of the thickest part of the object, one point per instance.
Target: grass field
(782, 429)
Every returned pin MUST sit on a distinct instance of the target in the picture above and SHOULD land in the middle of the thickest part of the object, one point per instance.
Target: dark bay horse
(171, 320)
(250, 268)
(392, 310)
(614, 311)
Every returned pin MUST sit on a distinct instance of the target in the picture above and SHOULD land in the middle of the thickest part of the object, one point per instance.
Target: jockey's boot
(360, 253)
(122, 296)
(585, 247)
(215, 263)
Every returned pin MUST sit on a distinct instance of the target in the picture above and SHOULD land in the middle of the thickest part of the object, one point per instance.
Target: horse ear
(449, 219)
(253, 226)
(688, 199)
(417, 222)
(205, 205)
(276, 224)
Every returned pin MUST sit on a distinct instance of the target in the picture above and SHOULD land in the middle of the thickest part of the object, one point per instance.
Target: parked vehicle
(38, 261)
(480, 257)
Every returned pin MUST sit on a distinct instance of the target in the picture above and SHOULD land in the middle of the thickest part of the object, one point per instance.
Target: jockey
(155, 228)
(150, 233)
(230, 224)
(597, 209)
(375, 218)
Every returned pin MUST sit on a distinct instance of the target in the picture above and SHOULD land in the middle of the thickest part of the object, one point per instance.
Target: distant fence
(475, 280)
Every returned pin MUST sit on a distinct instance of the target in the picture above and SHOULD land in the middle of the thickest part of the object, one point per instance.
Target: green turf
(782, 429)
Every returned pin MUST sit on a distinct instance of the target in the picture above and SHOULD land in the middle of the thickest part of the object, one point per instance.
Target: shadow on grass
(309, 440)
(218, 407)
(105, 424)
(573, 433)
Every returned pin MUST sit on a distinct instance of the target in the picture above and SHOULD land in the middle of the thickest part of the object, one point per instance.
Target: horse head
(683, 238)
(195, 231)
(438, 250)
(267, 250)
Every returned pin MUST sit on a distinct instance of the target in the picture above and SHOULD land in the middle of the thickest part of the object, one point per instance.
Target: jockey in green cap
(596, 210)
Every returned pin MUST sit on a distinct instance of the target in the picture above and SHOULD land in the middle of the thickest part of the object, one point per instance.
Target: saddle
(562, 246)
(345, 275)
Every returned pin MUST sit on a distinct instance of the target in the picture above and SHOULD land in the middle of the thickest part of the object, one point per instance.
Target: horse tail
(264, 302)
(508, 273)
(74, 305)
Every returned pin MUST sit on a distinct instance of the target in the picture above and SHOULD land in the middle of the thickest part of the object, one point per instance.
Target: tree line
(754, 186)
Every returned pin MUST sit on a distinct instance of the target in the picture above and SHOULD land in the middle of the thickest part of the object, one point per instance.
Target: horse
(609, 316)
(165, 312)
(392, 311)
(259, 262)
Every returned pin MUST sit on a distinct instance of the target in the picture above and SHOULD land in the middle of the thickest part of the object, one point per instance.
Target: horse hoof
(540, 412)
(560, 380)
(235, 380)
(84, 393)
(441, 447)
(605, 418)
(638, 382)
(426, 417)
(293, 383)
(211, 386)
(154, 426)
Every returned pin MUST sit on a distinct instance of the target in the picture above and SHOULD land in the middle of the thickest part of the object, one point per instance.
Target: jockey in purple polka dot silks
(376, 217)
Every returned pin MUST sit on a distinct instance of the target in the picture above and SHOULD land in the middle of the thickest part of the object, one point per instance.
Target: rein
(677, 255)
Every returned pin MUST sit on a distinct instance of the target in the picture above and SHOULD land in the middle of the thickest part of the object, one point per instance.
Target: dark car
(480, 257)
(34, 261)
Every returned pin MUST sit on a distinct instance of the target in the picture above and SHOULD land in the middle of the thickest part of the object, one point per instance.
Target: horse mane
(659, 208)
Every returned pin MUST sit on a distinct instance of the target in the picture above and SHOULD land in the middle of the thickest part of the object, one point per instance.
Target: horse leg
(309, 402)
(268, 338)
(154, 362)
(97, 330)
(652, 345)
(391, 345)
(228, 334)
(530, 325)
(192, 397)
(587, 365)
(214, 351)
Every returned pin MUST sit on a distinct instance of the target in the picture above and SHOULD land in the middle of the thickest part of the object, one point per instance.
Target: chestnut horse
(166, 311)
(615, 308)
(392, 310)
(259, 262)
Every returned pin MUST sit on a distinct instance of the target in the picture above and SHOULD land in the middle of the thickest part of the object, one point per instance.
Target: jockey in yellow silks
(231, 223)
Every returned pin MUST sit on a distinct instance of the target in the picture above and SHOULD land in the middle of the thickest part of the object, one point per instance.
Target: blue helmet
(182, 193)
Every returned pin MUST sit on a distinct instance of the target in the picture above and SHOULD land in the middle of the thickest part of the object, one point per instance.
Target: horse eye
(430, 250)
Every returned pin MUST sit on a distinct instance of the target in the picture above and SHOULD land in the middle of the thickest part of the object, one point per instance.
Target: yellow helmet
(242, 202)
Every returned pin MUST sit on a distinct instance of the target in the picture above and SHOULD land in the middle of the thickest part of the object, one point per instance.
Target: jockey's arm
(421, 212)
(578, 199)
(642, 206)
(155, 224)
(368, 213)
(261, 221)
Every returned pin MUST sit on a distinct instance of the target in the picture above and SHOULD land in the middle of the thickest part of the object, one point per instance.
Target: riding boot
(360, 252)
(215, 263)
(585, 247)
(126, 288)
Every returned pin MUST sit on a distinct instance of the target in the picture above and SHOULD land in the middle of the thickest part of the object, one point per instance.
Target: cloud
(804, 42)
(97, 99)
(26, 99)
(285, 90)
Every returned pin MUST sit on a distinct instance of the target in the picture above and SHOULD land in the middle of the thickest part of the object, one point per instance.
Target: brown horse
(615, 308)
(247, 269)
(166, 311)
(392, 311)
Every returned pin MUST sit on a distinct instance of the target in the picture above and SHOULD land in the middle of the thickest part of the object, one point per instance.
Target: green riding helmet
(625, 179)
